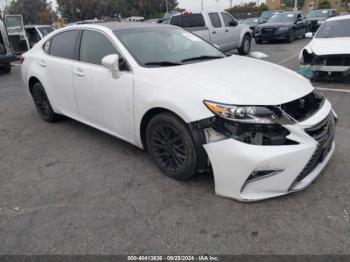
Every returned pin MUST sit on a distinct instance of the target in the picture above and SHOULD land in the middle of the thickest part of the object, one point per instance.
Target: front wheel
(291, 37)
(171, 147)
(246, 45)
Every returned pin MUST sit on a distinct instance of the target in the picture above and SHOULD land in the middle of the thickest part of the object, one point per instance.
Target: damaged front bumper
(326, 63)
(248, 172)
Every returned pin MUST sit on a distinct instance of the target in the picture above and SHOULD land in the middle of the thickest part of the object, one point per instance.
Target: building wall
(274, 4)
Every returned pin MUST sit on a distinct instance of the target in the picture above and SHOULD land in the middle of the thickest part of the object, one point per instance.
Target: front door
(16, 34)
(104, 101)
(217, 33)
(232, 30)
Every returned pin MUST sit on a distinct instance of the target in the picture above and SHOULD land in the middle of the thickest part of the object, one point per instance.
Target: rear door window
(64, 44)
(215, 20)
(187, 21)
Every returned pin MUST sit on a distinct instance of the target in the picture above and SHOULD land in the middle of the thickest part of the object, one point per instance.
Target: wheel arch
(197, 134)
(31, 82)
(147, 117)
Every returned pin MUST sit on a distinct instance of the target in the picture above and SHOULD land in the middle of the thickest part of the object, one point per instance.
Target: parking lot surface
(66, 188)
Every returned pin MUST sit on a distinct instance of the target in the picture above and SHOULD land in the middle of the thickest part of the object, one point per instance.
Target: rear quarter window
(63, 45)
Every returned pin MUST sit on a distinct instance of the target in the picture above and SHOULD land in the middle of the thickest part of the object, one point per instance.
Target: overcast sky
(196, 4)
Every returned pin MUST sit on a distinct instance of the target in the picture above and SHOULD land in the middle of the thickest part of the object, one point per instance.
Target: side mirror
(309, 35)
(112, 63)
(233, 23)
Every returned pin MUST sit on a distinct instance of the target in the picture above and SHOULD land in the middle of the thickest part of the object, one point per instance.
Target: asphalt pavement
(66, 188)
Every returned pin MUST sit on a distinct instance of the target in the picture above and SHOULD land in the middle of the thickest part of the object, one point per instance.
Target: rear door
(16, 34)
(58, 66)
(218, 34)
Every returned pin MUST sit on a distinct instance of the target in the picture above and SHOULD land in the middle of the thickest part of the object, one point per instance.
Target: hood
(317, 19)
(269, 25)
(242, 80)
(330, 46)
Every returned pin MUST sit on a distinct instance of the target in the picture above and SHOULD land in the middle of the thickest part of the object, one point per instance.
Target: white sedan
(328, 53)
(262, 129)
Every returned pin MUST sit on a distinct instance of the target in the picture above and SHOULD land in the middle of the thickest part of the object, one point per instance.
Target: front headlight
(244, 114)
(283, 28)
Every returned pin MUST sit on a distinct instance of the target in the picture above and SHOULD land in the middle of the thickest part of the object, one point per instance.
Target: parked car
(219, 28)
(6, 55)
(266, 15)
(36, 32)
(316, 17)
(187, 103)
(329, 51)
(166, 18)
(283, 26)
(16, 34)
(252, 23)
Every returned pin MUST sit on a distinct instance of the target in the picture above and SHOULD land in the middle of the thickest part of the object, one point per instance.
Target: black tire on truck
(244, 49)
(6, 68)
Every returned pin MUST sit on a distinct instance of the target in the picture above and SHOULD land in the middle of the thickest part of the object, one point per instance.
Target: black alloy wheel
(42, 104)
(170, 144)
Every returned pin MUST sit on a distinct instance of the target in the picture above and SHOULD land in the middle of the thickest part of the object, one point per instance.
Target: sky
(196, 4)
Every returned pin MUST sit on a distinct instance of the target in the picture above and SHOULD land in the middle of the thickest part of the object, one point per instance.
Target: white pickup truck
(218, 28)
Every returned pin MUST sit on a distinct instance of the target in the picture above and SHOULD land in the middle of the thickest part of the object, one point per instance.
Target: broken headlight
(249, 114)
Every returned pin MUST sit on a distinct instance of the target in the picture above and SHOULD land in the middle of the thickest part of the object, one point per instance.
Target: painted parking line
(333, 90)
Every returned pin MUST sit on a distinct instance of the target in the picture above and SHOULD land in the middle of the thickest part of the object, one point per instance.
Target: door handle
(214, 32)
(42, 63)
(226, 30)
(79, 72)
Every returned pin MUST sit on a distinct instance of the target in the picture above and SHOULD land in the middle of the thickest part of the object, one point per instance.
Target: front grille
(333, 60)
(304, 107)
(323, 133)
(268, 31)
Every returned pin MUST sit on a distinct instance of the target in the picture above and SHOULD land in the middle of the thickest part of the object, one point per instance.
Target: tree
(33, 11)
(89, 9)
(324, 5)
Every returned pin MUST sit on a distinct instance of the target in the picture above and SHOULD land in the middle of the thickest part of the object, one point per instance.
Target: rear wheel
(171, 147)
(245, 46)
(42, 104)
(6, 69)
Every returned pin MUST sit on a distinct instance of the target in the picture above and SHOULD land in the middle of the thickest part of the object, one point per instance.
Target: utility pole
(231, 3)
(295, 5)
(166, 6)
(202, 6)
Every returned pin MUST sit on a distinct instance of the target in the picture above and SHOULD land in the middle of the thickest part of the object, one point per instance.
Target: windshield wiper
(162, 63)
(203, 57)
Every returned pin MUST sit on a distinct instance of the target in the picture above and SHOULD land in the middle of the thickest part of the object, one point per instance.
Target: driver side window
(228, 20)
(95, 46)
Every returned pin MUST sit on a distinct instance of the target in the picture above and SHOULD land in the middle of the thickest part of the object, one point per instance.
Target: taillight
(21, 59)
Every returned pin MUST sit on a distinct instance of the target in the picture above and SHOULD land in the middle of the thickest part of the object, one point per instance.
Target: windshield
(283, 18)
(268, 14)
(166, 46)
(251, 21)
(45, 30)
(318, 13)
(334, 29)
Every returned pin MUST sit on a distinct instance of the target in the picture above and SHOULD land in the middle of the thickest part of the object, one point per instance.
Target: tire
(42, 104)
(258, 42)
(170, 144)
(6, 69)
(291, 37)
(246, 45)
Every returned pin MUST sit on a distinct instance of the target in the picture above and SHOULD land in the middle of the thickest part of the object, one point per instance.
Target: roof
(342, 17)
(129, 25)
